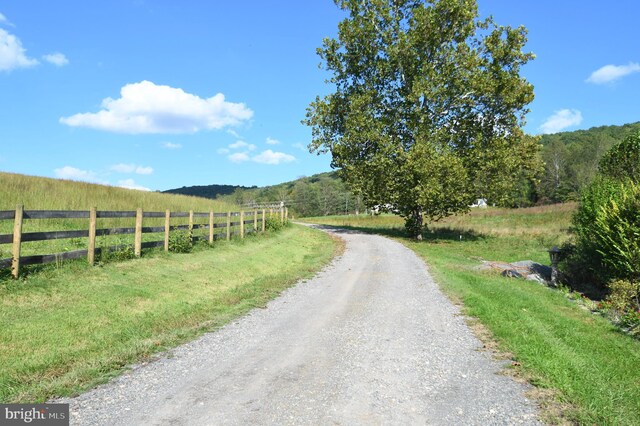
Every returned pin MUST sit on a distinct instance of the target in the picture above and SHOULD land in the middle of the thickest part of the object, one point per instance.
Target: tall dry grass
(38, 193)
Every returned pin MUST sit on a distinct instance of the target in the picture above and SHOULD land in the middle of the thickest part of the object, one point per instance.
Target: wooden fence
(237, 223)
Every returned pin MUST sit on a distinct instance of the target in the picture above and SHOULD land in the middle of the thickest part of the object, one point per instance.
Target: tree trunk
(419, 225)
(414, 225)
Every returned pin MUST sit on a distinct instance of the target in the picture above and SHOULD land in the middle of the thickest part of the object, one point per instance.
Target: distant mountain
(571, 160)
(610, 134)
(208, 191)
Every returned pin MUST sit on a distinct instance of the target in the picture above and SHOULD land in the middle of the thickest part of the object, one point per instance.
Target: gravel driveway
(369, 340)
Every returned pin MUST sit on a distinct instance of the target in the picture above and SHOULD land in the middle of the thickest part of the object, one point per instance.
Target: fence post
(263, 220)
(191, 226)
(281, 215)
(255, 221)
(91, 251)
(228, 226)
(211, 227)
(167, 229)
(137, 248)
(241, 224)
(17, 240)
(286, 214)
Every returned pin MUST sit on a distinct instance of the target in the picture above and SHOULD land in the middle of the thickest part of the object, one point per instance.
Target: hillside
(594, 134)
(571, 159)
(207, 191)
(39, 193)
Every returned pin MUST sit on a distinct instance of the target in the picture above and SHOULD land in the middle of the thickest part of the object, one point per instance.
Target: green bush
(180, 242)
(122, 251)
(273, 223)
(589, 259)
(624, 296)
(622, 161)
(616, 231)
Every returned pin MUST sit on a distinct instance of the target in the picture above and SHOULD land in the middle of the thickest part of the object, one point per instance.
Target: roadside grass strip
(586, 369)
(69, 328)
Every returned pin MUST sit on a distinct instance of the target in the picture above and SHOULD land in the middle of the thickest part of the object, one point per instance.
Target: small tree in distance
(427, 107)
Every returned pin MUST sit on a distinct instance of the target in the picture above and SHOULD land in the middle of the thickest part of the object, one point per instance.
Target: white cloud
(233, 133)
(57, 59)
(300, 146)
(130, 184)
(223, 151)
(3, 19)
(131, 168)
(145, 107)
(12, 54)
(239, 157)
(271, 141)
(72, 173)
(144, 170)
(561, 120)
(242, 144)
(270, 157)
(609, 73)
(170, 145)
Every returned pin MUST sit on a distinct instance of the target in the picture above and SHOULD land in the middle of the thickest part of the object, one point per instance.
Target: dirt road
(370, 340)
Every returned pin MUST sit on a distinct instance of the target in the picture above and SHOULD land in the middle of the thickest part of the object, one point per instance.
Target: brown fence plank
(153, 214)
(53, 235)
(114, 214)
(7, 214)
(114, 231)
(5, 263)
(50, 258)
(151, 244)
(6, 238)
(56, 214)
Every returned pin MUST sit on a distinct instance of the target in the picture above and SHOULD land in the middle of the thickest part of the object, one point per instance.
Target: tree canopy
(428, 106)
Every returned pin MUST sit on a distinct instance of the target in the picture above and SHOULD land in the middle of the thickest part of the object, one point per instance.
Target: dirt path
(370, 340)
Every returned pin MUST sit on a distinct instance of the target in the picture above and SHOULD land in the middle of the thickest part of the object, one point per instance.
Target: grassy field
(66, 329)
(37, 193)
(585, 367)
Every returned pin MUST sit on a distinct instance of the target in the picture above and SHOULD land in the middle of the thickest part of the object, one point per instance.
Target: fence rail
(242, 220)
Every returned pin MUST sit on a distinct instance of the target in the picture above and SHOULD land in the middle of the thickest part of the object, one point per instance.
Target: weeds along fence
(220, 226)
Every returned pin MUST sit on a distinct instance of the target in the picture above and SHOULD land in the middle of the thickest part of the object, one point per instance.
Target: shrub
(180, 242)
(624, 296)
(121, 251)
(589, 259)
(273, 223)
(622, 161)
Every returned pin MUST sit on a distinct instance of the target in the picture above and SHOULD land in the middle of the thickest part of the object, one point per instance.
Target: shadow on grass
(430, 235)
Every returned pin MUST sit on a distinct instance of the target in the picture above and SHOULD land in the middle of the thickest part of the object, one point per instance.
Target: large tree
(428, 106)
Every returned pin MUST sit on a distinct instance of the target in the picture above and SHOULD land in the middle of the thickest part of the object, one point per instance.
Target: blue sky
(155, 94)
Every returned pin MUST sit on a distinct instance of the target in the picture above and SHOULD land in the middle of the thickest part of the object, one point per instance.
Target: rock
(526, 269)
(511, 273)
(536, 278)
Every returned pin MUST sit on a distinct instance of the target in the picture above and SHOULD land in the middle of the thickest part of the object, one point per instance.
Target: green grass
(66, 329)
(591, 365)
